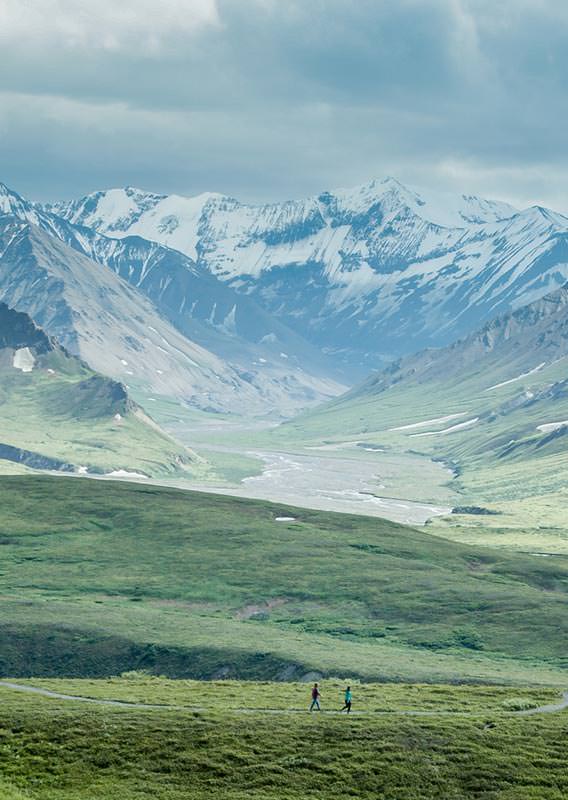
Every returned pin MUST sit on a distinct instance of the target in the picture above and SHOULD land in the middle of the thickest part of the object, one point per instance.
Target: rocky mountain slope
(494, 405)
(56, 413)
(44, 270)
(513, 347)
(270, 365)
(365, 274)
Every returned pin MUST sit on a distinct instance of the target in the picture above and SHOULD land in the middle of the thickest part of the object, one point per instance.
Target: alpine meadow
(283, 466)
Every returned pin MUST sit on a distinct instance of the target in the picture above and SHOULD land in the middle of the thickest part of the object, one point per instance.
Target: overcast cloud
(270, 99)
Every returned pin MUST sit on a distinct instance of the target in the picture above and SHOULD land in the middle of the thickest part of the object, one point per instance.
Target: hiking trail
(20, 687)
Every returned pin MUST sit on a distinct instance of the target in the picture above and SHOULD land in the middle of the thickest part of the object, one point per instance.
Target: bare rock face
(18, 331)
(519, 342)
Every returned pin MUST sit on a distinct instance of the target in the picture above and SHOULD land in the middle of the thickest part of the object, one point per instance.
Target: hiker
(347, 700)
(315, 698)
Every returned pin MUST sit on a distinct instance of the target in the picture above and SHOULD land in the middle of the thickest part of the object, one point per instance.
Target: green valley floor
(101, 578)
(475, 747)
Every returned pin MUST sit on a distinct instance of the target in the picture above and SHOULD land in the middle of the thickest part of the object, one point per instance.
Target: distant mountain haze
(273, 308)
(366, 274)
(150, 316)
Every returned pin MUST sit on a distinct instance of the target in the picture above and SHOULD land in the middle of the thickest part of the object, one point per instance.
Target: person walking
(315, 698)
(347, 706)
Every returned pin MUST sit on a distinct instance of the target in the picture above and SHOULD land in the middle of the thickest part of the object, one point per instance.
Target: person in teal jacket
(347, 706)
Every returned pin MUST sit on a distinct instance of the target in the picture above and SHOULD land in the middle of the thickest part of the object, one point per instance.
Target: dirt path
(20, 687)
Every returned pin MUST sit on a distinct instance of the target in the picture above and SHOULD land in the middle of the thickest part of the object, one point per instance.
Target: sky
(267, 100)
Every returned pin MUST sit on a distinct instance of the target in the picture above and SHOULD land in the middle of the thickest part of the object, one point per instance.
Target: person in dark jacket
(315, 698)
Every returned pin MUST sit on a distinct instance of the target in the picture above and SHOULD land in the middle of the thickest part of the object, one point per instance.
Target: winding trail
(20, 687)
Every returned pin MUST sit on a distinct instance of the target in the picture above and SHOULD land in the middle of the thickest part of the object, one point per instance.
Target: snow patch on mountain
(426, 422)
(24, 359)
(460, 426)
(548, 427)
(518, 378)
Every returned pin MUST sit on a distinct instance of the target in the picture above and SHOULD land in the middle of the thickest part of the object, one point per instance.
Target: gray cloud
(266, 99)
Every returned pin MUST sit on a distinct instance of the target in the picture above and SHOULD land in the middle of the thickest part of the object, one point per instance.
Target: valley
(257, 319)
(343, 482)
(190, 584)
(224, 474)
(283, 400)
(251, 458)
(486, 407)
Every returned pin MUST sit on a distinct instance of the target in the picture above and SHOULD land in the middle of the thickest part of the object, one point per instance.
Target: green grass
(98, 578)
(200, 430)
(55, 750)
(526, 486)
(47, 413)
(229, 468)
(370, 698)
(9, 792)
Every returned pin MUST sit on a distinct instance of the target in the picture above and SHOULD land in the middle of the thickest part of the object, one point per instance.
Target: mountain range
(447, 314)
(365, 274)
(257, 310)
(149, 316)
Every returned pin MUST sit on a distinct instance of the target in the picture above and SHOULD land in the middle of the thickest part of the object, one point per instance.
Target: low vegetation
(61, 750)
(100, 578)
(137, 686)
(501, 460)
(64, 412)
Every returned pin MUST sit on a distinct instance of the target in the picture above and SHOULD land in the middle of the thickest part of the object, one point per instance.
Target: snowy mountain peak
(442, 209)
(539, 213)
(12, 204)
(10, 200)
(376, 268)
(168, 219)
(236, 238)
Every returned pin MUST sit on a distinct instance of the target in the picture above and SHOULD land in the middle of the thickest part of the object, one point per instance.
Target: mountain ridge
(366, 274)
(493, 406)
(269, 360)
(500, 334)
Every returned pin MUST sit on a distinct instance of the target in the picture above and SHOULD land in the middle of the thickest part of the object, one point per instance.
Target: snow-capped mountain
(98, 316)
(365, 273)
(274, 367)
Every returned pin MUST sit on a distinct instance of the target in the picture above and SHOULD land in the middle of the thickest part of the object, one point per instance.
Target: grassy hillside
(57, 750)
(56, 413)
(492, 406)
(97, 579)
(529, 477)
(38, 415)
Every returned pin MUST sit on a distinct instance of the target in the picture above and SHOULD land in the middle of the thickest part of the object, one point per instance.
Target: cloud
(107, 25)
(265, 99)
